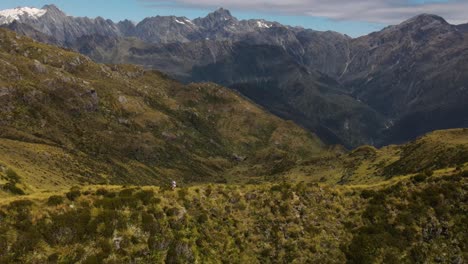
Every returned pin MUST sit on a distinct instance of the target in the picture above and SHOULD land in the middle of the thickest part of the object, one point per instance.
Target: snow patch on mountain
(262, 24)
(179, 22)
(189, 21)
(9, 15)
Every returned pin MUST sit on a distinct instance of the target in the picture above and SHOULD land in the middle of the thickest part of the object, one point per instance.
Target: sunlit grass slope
(414, 220)
(435, 152)
(65, 120)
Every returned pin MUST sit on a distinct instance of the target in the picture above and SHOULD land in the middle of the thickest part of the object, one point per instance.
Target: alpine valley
(286, 145)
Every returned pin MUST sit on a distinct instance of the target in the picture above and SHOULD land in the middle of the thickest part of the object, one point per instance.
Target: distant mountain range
(387, 87)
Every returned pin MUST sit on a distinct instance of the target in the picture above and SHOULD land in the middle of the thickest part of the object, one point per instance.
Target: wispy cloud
(376, 11)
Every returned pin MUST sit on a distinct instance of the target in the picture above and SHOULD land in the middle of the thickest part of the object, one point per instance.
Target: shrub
(94, 259)
(102, 191)
(53, 258)
(182, 193)
(126, 192)
(208, 191)
(180, 252)
(117, 203)
(156, 200)
(428, 173)
(55, 200)
(420, 177)
(173, 211)
(67, 228)
(12, 188)
(73, 193)
(464, 174)
(202, 218)
(107, 222)
(26, 242)
(12, 176)
(146, 196)
(20, 205)
(149, 223)
(105, 246)
(275, 188)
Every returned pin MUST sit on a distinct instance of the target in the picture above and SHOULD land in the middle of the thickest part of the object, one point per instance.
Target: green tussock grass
(415, 220)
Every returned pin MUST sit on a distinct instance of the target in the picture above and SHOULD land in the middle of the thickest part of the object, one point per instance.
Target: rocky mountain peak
(421, 27)
(217, 18)
(221, 14)
(426, 20)
(53, 10)
(126, 27)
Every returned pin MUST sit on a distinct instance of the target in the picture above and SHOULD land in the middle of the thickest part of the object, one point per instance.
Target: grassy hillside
(417, 220)
(65, 120)
(437, 152)
(419, 216)
(87, 152)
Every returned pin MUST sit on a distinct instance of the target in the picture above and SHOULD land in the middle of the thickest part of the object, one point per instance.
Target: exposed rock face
(269, 76)
(39, 67)
(165, 30)
(219, 18)
(386, 87)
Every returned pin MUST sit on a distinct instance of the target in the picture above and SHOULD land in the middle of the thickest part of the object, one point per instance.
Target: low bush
(20, 205)
(102, 192)
(126, 192)
(55, 200)
(419, 178)
(12, 176)
(146, 196)
(12, 188)
(74, 193)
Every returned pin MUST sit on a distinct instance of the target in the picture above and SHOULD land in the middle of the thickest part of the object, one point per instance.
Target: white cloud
(378, 11)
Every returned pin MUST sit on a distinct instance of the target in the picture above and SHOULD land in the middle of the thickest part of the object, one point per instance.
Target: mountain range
(115, 163)
(62, 115)
(387, 87)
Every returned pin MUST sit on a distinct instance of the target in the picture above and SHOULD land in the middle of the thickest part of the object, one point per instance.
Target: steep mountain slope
(267, 73)
(189, 50)
(412, 73)
(63, 115)
(378, 77)
(165, 30)
(270, 76)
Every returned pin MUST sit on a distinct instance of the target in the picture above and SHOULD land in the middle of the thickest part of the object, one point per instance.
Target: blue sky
(352, 17)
